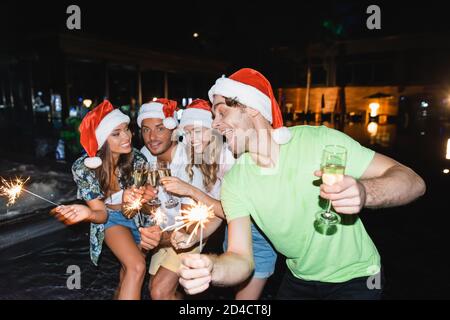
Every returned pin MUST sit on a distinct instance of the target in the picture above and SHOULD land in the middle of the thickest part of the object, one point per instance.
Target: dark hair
(107, 170)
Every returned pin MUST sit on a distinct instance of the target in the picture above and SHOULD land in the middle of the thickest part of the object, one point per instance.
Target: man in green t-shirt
(277, 183)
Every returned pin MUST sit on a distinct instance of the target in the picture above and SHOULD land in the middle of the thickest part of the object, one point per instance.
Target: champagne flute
(153, 180)
(139, 175)
(164, 171)
(334, 158)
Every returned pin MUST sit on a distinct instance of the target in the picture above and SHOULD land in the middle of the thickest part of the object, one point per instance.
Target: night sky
(232, 30)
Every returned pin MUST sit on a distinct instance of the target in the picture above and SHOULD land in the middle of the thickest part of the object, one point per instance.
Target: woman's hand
(179, 239)
(150, 237)
(74, 213)
(145, 193)
(177, 186)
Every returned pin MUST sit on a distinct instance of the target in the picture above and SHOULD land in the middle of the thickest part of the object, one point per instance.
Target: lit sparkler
(197, 215)
(130, 209)
(159, 217)
(12, 190)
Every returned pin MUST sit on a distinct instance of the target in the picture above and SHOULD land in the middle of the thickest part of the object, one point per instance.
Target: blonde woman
(210, 155)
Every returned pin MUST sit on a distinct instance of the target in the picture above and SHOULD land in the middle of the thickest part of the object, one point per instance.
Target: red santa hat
(159, 109)
(252, 89)
(197, 113)
(95, 128)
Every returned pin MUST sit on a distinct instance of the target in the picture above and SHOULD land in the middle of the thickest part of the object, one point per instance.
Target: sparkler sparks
(197, 215)
(159, 217)
(130, 209)
(12, 190)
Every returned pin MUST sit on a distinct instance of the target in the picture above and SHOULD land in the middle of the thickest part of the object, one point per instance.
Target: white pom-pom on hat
(281, 135)
(92, 162)
(170, 123)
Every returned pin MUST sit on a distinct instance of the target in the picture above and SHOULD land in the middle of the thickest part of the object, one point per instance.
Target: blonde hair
(208, 164)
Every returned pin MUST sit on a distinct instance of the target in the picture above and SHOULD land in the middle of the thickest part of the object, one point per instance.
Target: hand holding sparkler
(72, 214)
(195, 272)
(150, 237)
(181, 240)
(134, 197)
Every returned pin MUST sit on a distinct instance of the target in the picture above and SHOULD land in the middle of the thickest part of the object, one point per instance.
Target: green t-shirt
(283, 202)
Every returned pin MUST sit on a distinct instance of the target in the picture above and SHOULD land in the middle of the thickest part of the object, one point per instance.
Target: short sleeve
(88, 187)
(233, 198)
(358, 156)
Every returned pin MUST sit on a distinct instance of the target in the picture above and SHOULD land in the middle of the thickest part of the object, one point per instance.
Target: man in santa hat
(276, 181)
(158, 123)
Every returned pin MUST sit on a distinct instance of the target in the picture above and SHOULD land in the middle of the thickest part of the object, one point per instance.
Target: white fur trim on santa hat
(245, 94)
(151, 110)
(92, 162)
(154, 110)
(281, 135)
(108, 124)
(194, 116)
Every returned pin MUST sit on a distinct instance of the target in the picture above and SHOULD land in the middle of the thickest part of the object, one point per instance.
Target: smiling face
(233, 123)
(198, 137)
(157, 138)
(119, 141)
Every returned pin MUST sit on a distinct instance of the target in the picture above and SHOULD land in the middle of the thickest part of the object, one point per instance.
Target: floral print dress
(88, 188)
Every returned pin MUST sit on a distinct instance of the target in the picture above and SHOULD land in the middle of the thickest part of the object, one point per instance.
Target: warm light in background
(447, 156)
(374, 106)
(372, 128)
(154, 98)
(87, 103)
(445, 171)
(195, 35)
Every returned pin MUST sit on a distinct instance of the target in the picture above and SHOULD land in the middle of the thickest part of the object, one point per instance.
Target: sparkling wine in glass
(153, 180)
(164, 171)
(139, 175)
(334, 158)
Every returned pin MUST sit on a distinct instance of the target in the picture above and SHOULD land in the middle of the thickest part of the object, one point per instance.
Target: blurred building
(402, 75)
(50, 77)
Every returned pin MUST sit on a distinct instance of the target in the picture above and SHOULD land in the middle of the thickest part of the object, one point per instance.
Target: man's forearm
(230, 269)
(398, 186)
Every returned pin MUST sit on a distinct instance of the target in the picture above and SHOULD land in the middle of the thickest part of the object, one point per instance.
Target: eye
(160, 129)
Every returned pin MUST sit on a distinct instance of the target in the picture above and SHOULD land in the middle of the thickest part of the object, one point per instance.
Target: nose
(152, 135)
